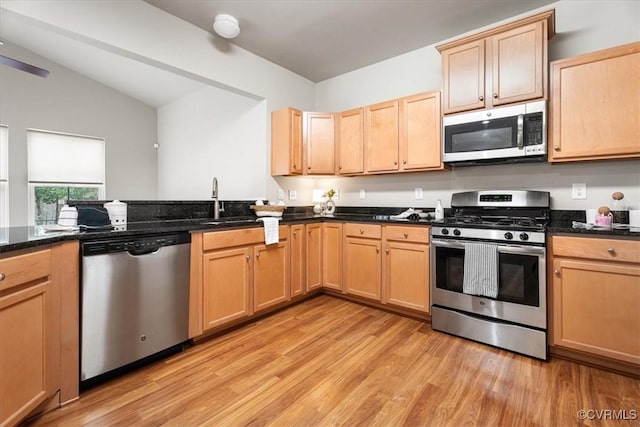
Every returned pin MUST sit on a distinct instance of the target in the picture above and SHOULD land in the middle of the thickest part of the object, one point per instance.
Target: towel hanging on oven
(480, 269)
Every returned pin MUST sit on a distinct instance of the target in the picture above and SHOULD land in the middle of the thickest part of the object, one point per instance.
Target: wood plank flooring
(329, 362)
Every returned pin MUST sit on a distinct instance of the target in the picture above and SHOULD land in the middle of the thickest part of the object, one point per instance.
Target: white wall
(581, 26)
(209, 133)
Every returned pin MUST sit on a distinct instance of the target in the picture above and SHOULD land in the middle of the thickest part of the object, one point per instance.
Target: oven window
(518, 278)
(479, 136)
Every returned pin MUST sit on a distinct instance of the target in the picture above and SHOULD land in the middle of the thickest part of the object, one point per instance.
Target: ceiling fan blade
(23, 66)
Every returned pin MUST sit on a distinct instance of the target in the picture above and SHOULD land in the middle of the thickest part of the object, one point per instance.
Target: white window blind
(61, 158)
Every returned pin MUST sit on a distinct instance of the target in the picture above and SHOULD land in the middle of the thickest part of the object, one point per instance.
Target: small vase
(330, 207)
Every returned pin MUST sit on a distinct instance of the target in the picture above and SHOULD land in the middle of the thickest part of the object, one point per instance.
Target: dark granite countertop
(14, 238)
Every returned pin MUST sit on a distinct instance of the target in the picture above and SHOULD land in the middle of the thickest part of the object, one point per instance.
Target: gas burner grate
(464, 219)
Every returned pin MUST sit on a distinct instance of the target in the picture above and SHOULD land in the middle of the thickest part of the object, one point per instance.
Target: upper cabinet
(595, 105)
(499, 66)
(420, 132)
(319, 143)
(381, 137)
(286, 142)
(350, 142)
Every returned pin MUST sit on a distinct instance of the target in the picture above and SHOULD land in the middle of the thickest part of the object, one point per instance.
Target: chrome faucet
(216, 202)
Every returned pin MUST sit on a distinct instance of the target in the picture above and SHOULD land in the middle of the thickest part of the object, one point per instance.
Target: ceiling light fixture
(226, 26)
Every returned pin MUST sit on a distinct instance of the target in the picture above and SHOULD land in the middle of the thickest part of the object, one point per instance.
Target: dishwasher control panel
(109, 245)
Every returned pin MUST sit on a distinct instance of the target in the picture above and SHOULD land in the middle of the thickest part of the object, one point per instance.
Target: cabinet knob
(308, 167)
(294, 234)
(611, 250)
(406, 235)
(361, 231)
(481, 98)
(495, 96)
(340, 167)
(295, 166)
(556, 272)
(556, 148)
(377, 250)
(2, 276)
(248, 257)
(258, 255)
(386, 251)
(404, 162)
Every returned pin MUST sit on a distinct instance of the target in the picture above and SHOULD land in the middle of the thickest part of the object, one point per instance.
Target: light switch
(362, 194)
(293, 194)
(418, 193)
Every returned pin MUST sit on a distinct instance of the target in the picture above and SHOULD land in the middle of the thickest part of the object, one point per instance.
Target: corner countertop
(15, 238)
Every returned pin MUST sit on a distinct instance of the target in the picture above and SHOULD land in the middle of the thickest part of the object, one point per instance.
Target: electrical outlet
(280, 194)
(337, 195)
(362, 194)
(579, 191)
(293, 194)
(418, 193)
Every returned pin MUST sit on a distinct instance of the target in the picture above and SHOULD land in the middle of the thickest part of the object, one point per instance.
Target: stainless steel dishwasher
(135, 299)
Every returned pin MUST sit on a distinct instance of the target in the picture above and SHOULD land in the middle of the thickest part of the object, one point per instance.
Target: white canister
(68, 216)
(117, 212)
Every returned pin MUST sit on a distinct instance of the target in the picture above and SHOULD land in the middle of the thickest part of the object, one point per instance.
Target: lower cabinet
(406, 267)
(332, 248)
(596, 292)
(34, 350)
(362, 267)
(234, 275)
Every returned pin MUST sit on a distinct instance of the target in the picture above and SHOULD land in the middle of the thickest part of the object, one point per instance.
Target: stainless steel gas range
(488, 280)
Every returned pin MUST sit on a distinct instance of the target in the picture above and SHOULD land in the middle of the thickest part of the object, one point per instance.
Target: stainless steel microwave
(501, 135)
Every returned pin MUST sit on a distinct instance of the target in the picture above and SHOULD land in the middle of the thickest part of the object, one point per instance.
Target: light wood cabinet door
(463, 70)
(518, 58)
(595, 308)
(298, 261)
(406, 275)
(350, 141)
(332, 246)
(420, 132)
(319, 143)
(595, 105)
(362, 267)
(271, 283)
(314, 255)
(29, 340)
(226, 284)
(381, 137)
(286, 142)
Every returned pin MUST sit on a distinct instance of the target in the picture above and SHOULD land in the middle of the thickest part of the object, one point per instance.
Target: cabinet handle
(308, 167)
(2, 276)
(495, 96)
(340, 167)
(386, 251)
(611, 250)
(404, 162)
(395, 163)
(481, 98)
(361, 231)
(258, 255)
(406, 235)
(556, 272)
(377, 250)
(556, 148)
(295, 166)
(294, 234)
(248, 257)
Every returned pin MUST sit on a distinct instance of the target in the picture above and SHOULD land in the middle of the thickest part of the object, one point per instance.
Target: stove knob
(524, 236)
(508, 235)
(445, 231)
(456, 232)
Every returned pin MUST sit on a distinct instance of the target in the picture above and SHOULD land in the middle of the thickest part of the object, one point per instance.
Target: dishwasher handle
(145, 251)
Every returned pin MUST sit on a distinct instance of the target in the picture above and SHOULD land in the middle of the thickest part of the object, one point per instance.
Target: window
(62, 167)
(4, 176)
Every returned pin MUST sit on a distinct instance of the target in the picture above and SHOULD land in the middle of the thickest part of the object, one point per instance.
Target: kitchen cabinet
(381, 127)
(362, 262)
(499, 66)
(406, 267)
(313, 256)
(601, 122)
(286, 142)
(595, 297)
(332, 246)
(319, 143)
(297, 246)
(420, 132)
(234, 275)
(29, 334)
(350, 142)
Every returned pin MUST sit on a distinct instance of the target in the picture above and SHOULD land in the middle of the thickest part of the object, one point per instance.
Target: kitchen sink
(228, 221)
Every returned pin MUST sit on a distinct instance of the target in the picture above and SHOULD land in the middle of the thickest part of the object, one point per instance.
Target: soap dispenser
(439, 211)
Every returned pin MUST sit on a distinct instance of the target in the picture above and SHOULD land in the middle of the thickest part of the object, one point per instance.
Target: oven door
(521, 283)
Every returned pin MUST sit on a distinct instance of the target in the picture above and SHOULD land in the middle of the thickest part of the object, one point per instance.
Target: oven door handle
(524, 250)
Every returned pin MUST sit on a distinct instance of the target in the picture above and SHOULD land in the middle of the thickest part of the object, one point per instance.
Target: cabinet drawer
(600, 249)
(24, 268)
(407, 234)
(371, 231)
(242, 237)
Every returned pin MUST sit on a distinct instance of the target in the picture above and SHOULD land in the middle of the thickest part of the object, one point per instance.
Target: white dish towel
(480, 269)
(271, 230)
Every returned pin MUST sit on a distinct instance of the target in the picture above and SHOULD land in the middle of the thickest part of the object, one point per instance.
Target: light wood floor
(329, 362)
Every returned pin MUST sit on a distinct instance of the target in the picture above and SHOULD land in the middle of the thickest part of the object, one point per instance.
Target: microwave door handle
(520, 136)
